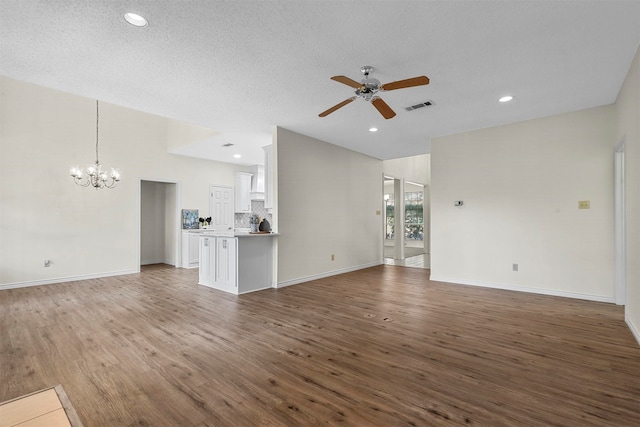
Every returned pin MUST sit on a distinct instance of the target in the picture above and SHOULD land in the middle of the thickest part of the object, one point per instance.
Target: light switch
(584, 204)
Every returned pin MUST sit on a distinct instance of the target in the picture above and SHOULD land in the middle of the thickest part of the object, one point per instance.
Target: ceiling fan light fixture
(368, 89)
(135, 19)
(505, 98)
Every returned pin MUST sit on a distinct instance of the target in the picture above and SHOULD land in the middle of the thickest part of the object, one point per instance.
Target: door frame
(178, 220)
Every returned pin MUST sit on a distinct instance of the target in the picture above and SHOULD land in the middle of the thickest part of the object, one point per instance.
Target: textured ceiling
(241, 67)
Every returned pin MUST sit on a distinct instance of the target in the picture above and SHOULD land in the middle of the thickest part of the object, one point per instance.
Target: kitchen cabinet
(226, 263)
(190, 249)
(218, 266)
(242, 192)
(239, 264)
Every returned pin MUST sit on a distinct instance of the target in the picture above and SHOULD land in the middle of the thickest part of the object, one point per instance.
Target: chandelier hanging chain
(97, 131)
(95, 176)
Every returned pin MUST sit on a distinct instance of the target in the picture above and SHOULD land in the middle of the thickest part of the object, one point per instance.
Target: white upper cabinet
(242, 191)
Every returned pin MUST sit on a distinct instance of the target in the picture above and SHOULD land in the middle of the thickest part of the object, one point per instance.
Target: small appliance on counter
(264, 226)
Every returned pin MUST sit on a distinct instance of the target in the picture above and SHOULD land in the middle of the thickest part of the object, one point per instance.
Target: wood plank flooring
(382, 346)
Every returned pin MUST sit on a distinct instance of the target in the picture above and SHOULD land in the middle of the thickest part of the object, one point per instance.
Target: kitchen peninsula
(236, 263)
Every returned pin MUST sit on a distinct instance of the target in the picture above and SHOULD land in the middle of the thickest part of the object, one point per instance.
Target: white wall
(327, 203)
(414, 168)
(44, 215)
(521, 184)
(628, 127)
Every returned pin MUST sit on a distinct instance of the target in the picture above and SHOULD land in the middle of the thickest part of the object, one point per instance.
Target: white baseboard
(633, 328)
(507, 287)
(65, 279)
(157, 261)
(326, 274)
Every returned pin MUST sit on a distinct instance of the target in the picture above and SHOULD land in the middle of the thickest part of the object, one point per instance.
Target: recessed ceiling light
(237, 156)
(373, 129)
(135, 19)
(506, 98)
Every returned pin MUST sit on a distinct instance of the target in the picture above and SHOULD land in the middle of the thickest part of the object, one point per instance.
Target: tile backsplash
(241, 220)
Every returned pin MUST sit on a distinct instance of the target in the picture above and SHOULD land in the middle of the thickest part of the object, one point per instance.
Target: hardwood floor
(382, 346)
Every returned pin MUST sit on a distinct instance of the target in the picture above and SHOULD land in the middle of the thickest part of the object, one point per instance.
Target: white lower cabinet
(218, 266)
(226, 264)
(190, 249)
(236, 264)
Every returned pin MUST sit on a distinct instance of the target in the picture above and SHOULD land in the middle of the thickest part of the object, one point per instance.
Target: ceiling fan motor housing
(368, 89)
(370, 86)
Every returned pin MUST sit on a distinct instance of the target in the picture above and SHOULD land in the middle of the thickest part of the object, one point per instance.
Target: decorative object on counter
(189, 218)
(264, 226)
(254, 220)
(95, 176)
(205, 222)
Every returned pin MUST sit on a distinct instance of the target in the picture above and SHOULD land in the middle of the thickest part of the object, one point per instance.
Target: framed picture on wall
(189, 218)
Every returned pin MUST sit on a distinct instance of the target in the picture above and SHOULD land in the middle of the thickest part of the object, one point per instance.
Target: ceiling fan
(368, 88)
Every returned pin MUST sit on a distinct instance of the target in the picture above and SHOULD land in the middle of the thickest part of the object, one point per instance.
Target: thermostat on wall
(457, 203)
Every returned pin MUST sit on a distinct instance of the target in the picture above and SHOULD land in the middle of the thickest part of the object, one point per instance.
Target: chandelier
(95, 176)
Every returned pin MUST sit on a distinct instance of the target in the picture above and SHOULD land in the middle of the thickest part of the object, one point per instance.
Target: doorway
(406, 225)
(159, 223)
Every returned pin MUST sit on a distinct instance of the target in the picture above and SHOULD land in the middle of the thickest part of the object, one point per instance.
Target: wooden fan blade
(347, 81)
(383, 108)
(401, 84)
(335, 107)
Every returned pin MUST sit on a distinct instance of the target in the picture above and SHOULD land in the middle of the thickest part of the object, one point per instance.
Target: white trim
(620, 224)
(178, 221)
(326, 274)
(255, 290)
(66, 279)
(632, 328)
(550, 292)
(157, 261)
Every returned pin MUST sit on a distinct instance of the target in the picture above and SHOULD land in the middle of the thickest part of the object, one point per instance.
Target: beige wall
(327, 203)
(520, 184)
(414, 168)
(44, 215)
(628, 128)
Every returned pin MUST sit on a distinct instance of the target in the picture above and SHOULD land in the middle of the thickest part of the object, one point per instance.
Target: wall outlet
(584, 204)
(378, 212)
(515, 267)
(47, 263)
(333, 257)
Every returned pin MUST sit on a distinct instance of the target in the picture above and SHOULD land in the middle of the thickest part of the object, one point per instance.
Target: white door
(221, 209)
(226, 264)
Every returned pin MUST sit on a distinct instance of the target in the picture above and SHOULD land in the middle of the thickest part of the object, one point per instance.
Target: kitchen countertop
(205, 232)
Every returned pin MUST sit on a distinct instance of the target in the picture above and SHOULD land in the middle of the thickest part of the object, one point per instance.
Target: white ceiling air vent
(421, 105)
(228, 144)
